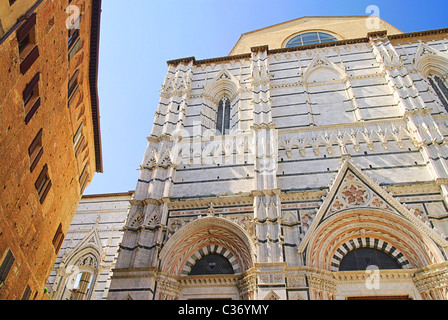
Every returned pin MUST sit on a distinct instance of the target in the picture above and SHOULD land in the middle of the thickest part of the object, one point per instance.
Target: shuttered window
(84, 178)
(78, 140)
(28, 49)
(73, 33)
(73, 87)
(31, 98)
(27, 293)
(35, 150)
(6, 266)
(58, 239)
(43, 184)
(26, 29)
(29, 60)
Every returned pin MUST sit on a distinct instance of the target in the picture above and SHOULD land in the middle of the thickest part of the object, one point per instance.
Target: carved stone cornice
(168, 285)
(417, 112)
(134, 273)
(303, 195)
(265, 192)
(163, 137)
(257, 49)
(377, 34)
(244, 199)
(262, 126)
(418, 34)
(442, 181)
(349, 77)
(421, 188)
(368, 124)
(145, 202)
(248, 281)
(432, 277)
(345, 277)
(440, 117)
(426, 278)
(322, 282)
(248, 198)
(173, 285)
(185, 61)
(212, 280)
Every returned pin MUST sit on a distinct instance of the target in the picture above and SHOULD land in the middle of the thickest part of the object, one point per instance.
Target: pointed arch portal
(212, 254)
(207, 235)
(388, 227)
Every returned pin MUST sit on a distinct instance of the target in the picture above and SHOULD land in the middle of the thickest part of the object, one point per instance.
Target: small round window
(304, 39)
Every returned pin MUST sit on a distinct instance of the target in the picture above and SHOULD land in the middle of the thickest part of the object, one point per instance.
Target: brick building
(49, 132)
(310, 163)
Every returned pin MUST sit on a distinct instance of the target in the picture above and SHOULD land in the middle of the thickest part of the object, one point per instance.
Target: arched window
(440, 88)
(212, 264)
(223, 117)
(306, 38)
(78, 278)
(82, 286)
(361, 258)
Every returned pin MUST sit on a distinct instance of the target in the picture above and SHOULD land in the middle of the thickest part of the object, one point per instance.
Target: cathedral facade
(309, 164)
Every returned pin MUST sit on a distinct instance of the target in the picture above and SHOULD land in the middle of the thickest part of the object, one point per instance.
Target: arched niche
(209, 234)
(374, 228)
(223, 88)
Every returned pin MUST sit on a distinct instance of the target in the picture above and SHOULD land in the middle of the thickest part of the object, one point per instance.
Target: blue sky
(139, 36)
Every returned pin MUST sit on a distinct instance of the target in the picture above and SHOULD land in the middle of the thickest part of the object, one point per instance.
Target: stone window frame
(223, 116)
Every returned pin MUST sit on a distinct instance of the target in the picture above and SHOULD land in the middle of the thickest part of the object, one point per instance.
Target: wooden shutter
(84, 177)
(58, 239)
(6, 266)
(73, 82)
(31, 86)
(32, 111)
(43, 184)
(27, 293)
(35, 150)
(29, 60)
(27, 26)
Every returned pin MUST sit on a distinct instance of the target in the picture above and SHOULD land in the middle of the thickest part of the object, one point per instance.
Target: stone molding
(172, 286)
(430, 277)
(264, 48)
(402, 212)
